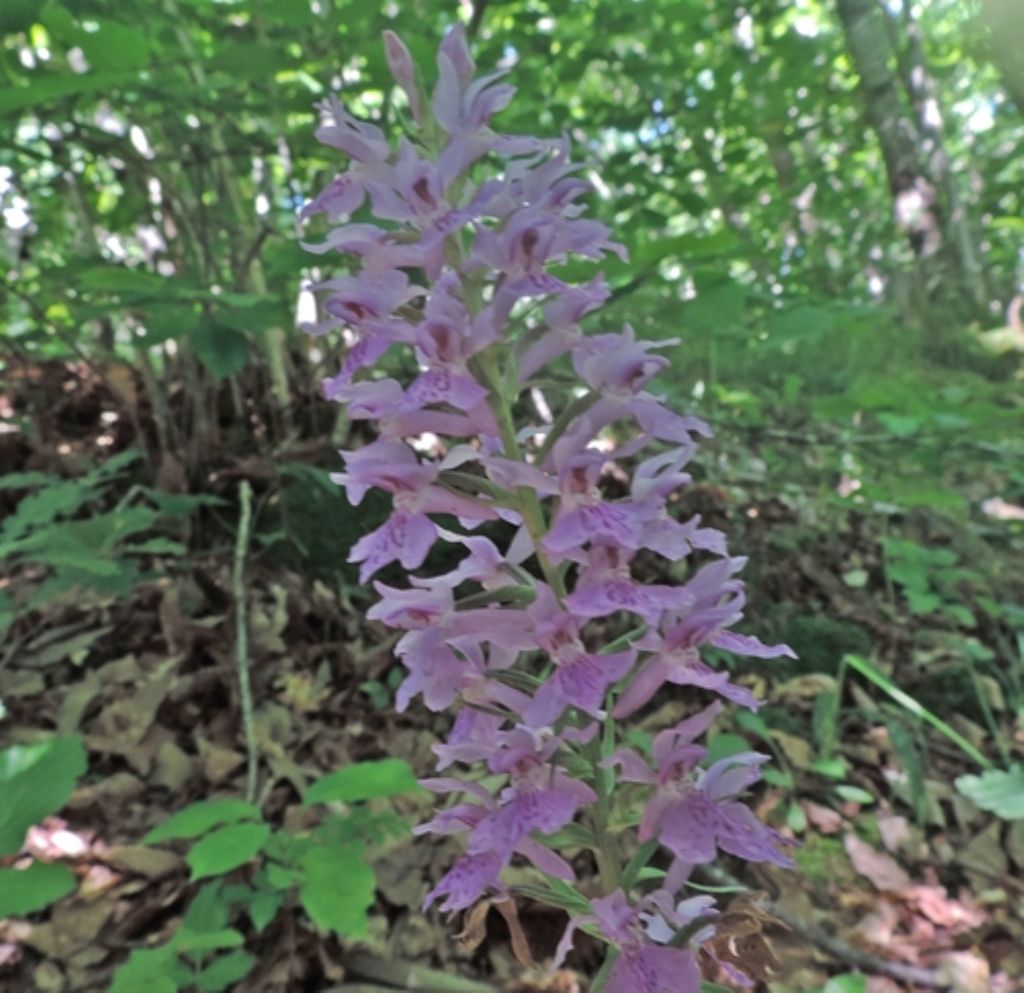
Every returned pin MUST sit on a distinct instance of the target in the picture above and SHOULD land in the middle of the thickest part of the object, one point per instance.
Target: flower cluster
(501, 412)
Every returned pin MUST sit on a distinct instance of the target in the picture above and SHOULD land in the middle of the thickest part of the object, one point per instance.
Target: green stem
(605, 971)
(607, 850)
(242, 641)
(579, 406)
(528, 503)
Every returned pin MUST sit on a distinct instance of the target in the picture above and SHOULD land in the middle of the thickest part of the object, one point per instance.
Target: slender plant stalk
(242, 641)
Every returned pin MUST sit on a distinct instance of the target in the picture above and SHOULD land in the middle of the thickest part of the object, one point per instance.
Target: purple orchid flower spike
(644, 964)
(549, 503)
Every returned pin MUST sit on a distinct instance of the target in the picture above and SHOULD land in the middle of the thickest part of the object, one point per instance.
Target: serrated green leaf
(226, 849)
(1000, 791)
(337, 889)
(198, 818)
(363, 781)
(35, 781)
(24, 891)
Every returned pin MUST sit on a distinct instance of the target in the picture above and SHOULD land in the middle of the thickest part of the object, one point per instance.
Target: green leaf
(221, 349)
(26, 480)
(226, 849)
(363, 781)
(222, 972)
(35, 781)
(557, 893)
(128, 280)
(849, 983)
(722, 746)
(854, 794)
(115, 46)
(716, 309)
(208, 911)
(195, 943)
(24, 891)
(46, 89)
(801, 323)
(146, 971)
(871, 672)
(198, 818)
(263, 907)
(999, 791)
(337, 890)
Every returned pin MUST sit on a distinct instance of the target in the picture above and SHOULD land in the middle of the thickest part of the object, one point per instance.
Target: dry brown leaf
(825, 819)
(895, 831)
(173, 768)
(807, 687)
(797, 750)
(153, 863)
(739, 938)
(111, 792)
(882, 870)
(48, 978)
(965, 972)
(520, 945)
(940, 908)
(985, 854)
(474, 927)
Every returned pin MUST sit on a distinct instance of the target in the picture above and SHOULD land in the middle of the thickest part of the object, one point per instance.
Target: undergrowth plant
(250, 872)
(545, 637)
(88, 534)
(35, 781)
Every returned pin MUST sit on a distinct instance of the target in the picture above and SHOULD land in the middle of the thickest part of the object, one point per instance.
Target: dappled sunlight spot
(53, 839)
(1000, 510)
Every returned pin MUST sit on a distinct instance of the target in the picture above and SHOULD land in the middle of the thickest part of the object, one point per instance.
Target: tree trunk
(947, 285)
(1005, 21)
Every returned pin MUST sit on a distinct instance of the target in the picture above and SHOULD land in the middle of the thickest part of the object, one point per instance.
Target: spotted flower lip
(532, 470)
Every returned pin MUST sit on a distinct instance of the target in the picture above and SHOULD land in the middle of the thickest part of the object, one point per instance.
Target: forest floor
(902, 883)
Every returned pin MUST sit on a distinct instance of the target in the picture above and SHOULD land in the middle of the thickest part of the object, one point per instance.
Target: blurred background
(822, 200)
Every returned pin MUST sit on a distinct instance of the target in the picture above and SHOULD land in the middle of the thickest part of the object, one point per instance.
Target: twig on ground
(409, 976)
(836, 947)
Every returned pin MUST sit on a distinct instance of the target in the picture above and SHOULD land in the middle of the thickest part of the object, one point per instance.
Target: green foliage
(35, 781)
(24, 891)
(199, 818)
(871, 672)
(159, 153)
(363, 781)
(929, 579)
(998, 790)
(82, 539)
(325, 869)
(225, 849)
